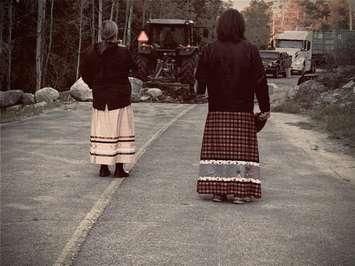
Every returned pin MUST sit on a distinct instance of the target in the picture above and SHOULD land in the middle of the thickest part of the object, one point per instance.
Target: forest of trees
(326, 15)
(258, 17)
(41, 40)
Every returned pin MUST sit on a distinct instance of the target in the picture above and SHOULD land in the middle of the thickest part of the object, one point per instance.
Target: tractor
(167, 51)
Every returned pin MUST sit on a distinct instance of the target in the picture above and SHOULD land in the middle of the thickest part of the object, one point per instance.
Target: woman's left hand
(264, 115)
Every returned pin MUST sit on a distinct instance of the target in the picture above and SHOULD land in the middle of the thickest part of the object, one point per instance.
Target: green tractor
(167, 51)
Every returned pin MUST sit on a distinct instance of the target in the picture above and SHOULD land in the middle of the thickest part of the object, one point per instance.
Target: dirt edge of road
(327, 155)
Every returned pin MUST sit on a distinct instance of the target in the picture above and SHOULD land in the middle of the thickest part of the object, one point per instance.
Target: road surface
(56, 210)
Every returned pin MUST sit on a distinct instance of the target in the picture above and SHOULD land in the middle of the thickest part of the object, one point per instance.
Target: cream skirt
(112, 136)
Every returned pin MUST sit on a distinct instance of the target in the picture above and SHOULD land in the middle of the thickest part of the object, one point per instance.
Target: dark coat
(105, 69)
(233, 73)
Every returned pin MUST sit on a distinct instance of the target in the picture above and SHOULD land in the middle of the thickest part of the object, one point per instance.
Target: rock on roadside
(28, 98)
(81, 92)
(145, 98)
(350, 85)
(154, 92)
(10, 98)
(46, 94)
(308, 93)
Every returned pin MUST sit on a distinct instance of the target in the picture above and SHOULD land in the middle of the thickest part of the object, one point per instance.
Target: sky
(241, 4)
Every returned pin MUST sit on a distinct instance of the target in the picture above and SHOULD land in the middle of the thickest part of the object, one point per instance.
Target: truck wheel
(143, 67)
(276, 73)
(187, 70)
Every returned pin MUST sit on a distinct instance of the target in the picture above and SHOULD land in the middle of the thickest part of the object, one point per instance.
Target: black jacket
(233, 72)
(105, 69)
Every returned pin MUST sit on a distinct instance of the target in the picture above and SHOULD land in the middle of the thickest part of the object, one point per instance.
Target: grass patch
(338, 120)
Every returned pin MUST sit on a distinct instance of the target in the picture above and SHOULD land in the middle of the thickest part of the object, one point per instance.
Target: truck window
(298, 44)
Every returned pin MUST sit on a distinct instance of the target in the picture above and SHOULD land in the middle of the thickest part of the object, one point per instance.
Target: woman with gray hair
(105, 68)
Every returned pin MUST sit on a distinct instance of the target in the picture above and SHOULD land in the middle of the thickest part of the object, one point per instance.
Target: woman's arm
(261, 87)
(86, 67)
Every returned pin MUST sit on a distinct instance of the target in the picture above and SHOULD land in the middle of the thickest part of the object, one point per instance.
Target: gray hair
(109, 30)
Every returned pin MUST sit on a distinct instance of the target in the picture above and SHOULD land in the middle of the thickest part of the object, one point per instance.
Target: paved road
(306, 216)
(47, 183)
(155, 217)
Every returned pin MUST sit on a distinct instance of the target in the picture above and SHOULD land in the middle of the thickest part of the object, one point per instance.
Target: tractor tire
(284, 74)
(187, 71)
(276, 73)
(143, 67)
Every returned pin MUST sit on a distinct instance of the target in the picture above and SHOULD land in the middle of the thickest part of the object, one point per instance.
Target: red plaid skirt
(229, 156)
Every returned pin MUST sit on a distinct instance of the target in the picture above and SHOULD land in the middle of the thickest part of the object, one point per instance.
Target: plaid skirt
(112, 136)
(229, 156)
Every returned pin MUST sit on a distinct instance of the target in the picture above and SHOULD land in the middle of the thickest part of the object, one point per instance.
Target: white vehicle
(298, 44)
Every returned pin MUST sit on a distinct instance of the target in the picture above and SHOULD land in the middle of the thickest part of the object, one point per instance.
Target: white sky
(241, 4)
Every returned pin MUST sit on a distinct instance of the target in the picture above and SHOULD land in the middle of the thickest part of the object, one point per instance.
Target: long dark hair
(231, 26)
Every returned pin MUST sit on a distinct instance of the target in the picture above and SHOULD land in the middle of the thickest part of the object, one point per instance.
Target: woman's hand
(264, 115)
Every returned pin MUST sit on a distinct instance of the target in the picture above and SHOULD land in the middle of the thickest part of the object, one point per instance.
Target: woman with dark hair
(232, 71)
(105, 68)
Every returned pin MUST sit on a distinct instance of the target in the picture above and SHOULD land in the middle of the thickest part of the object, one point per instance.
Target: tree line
(264, 19)
(41, 40)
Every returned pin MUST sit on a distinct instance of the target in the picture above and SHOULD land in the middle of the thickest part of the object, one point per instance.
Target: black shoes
(120, 172)
(104, 171)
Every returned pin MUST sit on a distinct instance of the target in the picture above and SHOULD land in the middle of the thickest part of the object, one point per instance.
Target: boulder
(327, 97)
(14, 108)
(137, 86)
(28, 98)
(154, 93)
(292, 91)
(350, 84)
(81, 92)
(10, 98)
(47, 94)
(308, 94)
(145, 98)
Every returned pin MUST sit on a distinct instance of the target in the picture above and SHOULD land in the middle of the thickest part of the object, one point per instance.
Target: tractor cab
(168, 34)
(166, 50)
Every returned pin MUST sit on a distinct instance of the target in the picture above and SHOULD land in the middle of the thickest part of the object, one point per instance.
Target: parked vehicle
(276, 62)
(311, 50)
(297, 44)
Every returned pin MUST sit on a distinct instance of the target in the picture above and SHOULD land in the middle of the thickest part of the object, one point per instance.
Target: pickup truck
(276, 62)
